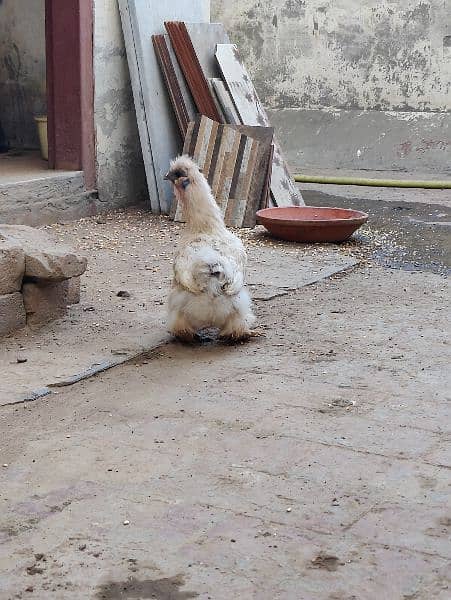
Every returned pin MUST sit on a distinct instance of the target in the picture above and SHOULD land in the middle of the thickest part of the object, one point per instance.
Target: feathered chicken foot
(241, 336)
(184, 335)
(257, 333)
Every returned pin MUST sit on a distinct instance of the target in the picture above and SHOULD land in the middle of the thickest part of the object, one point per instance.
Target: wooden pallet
(235, 160)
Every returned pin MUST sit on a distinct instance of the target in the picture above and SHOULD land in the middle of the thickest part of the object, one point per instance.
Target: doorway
(22, 86)
(46, 71)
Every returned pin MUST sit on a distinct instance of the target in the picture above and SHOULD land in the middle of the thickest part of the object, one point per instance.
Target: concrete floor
(32, 194)
(309, 464)
(25, 165)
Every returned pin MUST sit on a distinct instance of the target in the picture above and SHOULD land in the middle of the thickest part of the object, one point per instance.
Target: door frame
(70, 86)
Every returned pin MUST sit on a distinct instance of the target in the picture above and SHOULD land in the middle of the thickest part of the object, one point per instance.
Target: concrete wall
(22, 69)
(120, 170)
(389, 60)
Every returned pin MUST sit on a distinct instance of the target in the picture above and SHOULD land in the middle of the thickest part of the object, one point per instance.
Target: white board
(159, 135)
(251, 111)
(225, 101)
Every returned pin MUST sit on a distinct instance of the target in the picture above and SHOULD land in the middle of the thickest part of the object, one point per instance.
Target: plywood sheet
(205, 37)
(159, 134)
(283, 189)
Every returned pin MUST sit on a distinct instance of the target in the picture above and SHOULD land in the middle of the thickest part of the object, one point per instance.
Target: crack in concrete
(356, 450)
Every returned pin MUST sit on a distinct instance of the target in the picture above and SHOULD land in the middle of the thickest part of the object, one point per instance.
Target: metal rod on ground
(400, 183)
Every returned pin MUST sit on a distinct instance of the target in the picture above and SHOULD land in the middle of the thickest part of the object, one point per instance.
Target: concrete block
(45, 302)
(44, 257)
(73, 290)
(12, 266)
(12, 313)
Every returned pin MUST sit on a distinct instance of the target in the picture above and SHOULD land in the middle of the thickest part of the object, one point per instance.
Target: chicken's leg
(181, 329)
(236, 329)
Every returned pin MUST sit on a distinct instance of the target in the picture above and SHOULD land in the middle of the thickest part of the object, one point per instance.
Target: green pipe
(400, 183)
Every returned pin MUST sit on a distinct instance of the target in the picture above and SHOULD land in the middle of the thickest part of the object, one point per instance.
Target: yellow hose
(400, 183)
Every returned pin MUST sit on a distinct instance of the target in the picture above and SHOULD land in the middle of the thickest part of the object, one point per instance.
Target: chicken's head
(183, 171)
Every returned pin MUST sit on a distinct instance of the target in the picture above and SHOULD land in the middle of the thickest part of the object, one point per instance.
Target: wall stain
(13, 63)
(293, 9)
(404, 149)
(110, 106)
(107, 52)
(22, 71)
(426, 145)
(344, 54)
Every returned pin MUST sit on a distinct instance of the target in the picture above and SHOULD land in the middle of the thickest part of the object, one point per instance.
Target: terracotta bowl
(311, 223)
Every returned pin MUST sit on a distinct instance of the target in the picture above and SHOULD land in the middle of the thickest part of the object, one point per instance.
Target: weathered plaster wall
(371, 54)
(22, 69)
(388, 56)
(120, 169)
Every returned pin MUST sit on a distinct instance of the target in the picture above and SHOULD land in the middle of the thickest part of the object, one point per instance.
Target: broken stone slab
(45, 301)
(271, 281)
(12, 266)
(73, 290)
(45, 258)
(12, 313)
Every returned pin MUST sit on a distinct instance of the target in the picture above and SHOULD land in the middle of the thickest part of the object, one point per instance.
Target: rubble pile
(39, 278)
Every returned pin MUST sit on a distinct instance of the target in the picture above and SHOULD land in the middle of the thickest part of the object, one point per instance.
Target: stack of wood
(236, 160)
(213, 112)
(231, 137)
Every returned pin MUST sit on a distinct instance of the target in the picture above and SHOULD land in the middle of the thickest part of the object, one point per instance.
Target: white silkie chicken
(208, 286)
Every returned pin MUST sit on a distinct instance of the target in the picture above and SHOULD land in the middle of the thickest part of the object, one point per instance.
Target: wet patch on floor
(167, 588)
(408, 236)
(329, 562)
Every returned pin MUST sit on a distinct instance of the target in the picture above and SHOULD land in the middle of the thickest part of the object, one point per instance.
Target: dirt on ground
(312, 463)
(123, 296)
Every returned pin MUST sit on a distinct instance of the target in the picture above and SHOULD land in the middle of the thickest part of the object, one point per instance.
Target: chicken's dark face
(179, 177)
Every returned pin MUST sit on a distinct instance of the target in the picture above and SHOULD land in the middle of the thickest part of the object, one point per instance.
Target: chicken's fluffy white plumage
(209, 267)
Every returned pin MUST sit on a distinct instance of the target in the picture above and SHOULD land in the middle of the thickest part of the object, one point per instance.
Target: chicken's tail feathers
(218, 276)
(205, 270)
(215, 273)
(231, 279)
